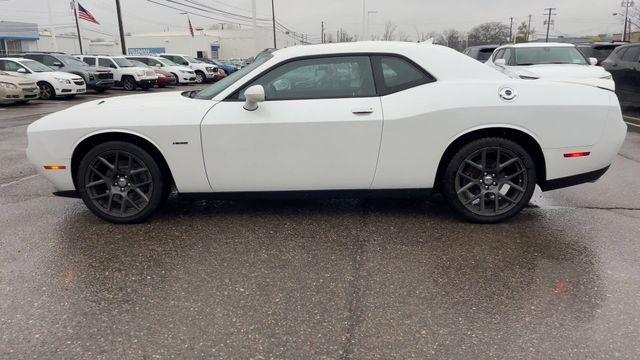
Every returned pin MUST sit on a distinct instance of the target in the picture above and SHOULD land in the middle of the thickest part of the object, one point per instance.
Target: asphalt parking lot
(331, 279)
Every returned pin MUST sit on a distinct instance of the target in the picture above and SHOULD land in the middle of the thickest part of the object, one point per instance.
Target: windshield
(190, 59)
(166, 62)
(122, 62)
(549, 55)
(137, 63)
(36, 66)
(71, 61)
(221, 85)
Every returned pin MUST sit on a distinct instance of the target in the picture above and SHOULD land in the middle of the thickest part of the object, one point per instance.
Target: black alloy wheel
(120, 182)
(490, 180)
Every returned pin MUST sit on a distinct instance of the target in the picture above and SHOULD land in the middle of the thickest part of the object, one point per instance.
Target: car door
(12, 67)
(629, 74)
(108, 63)
(319, 128)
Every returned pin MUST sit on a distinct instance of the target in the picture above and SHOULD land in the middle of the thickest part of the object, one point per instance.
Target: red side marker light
(577, 154)
(54, 167)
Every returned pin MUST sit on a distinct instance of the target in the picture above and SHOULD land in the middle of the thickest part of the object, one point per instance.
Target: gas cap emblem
(508, 94)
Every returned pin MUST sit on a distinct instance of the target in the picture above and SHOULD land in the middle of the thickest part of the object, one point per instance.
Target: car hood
(562, 70)
(62, 75)
(14, 79)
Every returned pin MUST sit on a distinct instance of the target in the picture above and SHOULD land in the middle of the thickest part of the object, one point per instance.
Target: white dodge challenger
(354, 118)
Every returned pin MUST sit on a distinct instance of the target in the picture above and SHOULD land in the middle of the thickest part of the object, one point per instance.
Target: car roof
(484, 46)
(540, 44)
(16, 59)
(352, 47)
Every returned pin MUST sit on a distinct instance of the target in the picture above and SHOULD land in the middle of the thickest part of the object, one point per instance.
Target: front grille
(150, 72)
(105, 76)
(78, 82)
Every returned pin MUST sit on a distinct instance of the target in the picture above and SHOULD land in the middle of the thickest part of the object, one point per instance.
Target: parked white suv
(125, 73)
(51, 83)
(204, 72)
(183, 74)
(552, 61)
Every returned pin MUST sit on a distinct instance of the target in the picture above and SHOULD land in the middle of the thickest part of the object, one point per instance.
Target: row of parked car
(615, 66)
(35, 75)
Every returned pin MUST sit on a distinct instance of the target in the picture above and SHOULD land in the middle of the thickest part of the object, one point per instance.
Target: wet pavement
(331, 279)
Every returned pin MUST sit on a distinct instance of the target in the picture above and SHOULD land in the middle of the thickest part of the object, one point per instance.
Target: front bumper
(167, 80)
(187, 78)
(101, 84)
(69, 89)
(147, 82)
(19, 94)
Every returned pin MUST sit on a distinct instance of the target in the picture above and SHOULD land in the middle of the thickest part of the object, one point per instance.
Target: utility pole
(529, 29)
(548, 10)
(626, 4)
(255, 25)
(511, 30)
(122, 44)
(52, 30)
(322, 32)
(273, 20)
(364, 13)
(75, 13)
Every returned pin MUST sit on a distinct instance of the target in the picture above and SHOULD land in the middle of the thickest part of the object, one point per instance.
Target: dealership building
(16, 37)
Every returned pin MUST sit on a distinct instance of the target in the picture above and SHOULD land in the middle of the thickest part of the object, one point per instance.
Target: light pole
(626, 4)
(367, 33)
(273, 20)
(364, 12)
(629, 22)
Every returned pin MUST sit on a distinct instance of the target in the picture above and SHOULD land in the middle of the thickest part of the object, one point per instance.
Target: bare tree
(436, 36)
(389, 31)
(453, 39)
(489, 33)
(402, 36)
(523, 34)
(343, 36)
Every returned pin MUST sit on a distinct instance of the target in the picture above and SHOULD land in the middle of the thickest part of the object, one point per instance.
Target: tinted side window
(508, 53)
(318, 78)
(7, 65)
(397, 74)
(35, 57)
(107, 63)
(90, 61)
(632, 54)
(498, 54)
(48, 60)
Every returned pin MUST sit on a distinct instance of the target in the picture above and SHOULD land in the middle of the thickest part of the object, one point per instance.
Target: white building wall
(69, 45)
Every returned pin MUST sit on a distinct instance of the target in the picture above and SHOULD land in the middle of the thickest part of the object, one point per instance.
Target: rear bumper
(564, 182)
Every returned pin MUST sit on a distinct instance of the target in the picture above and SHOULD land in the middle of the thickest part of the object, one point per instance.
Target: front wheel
(200, 77)
(120, 182)
(129, 83)
(490, 180)
(46, 91)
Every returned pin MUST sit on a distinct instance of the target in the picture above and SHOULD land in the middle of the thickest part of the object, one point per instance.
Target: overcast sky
(575, 17)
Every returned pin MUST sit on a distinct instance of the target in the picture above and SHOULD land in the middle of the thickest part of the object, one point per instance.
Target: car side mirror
(57, 63)
(253, 95)
(21, 71)
(158, 65)
(500, 62)
(593, 61)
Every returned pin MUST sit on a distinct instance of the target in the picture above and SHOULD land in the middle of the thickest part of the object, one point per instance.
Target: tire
(489, 180)
(177, 79)
(47, 92)
(200, 77)
(129, 83)
(129, 194)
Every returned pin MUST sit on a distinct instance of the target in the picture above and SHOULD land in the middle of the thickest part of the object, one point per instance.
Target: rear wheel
(120, 182)
(490, 180)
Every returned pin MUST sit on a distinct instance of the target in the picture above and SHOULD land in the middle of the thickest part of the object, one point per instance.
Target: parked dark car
(99, 79)
(481, 53)
(229, 69)
(598, 50)
(624, 66)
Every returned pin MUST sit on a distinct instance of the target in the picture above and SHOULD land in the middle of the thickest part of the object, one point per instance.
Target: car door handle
(362, 111)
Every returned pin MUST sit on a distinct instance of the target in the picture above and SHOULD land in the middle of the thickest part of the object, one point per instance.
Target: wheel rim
(491, 181)
(119, 183)
(128, 84)
(199, 78)
(45, 92)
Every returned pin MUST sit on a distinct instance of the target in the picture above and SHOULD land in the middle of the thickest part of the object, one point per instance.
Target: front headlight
(210, 69)
(140, 73)
(160, 75)
(7, 85)
(607, 77)
(63, 81)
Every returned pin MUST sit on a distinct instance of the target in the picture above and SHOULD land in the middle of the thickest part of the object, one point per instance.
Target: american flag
(84, 14)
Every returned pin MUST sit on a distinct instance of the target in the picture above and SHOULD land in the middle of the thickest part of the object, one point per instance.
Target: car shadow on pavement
(329, 277)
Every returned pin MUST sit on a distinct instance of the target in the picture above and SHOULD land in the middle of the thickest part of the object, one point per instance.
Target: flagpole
(75, 13)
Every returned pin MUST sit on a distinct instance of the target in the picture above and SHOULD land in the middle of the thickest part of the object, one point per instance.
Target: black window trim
(377, 80)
